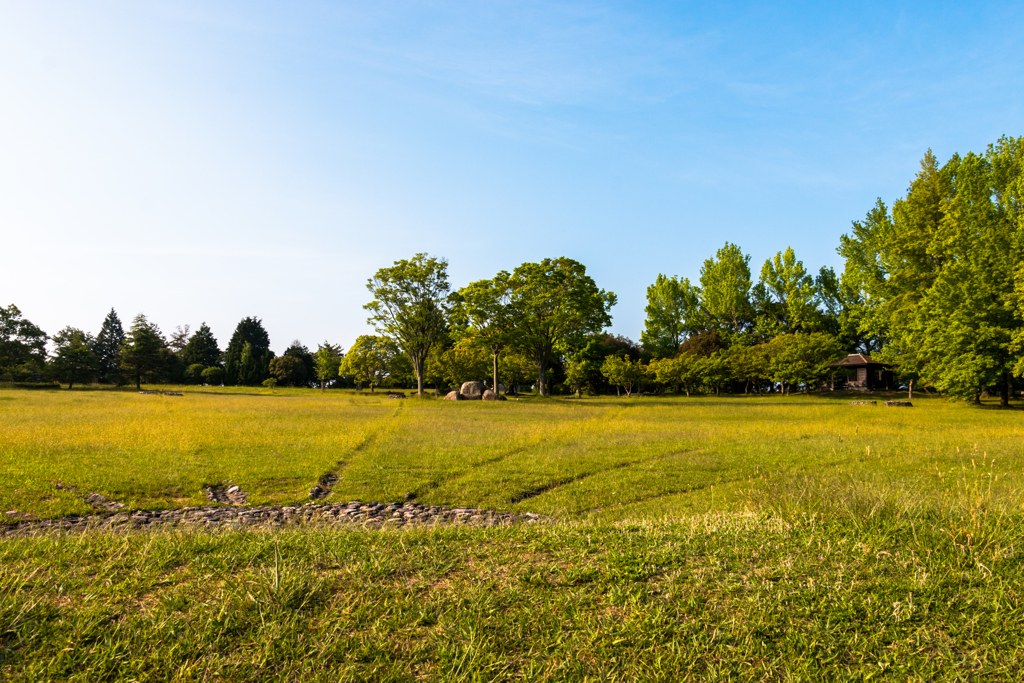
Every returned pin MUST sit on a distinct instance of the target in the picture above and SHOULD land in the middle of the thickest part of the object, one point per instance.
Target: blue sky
(212, 160)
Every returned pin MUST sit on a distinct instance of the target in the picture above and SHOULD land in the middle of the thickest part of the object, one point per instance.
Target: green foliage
(940, 271)
(370, 360)
(465, 363)
(73, 358)
(194, 373)
(556, 307)
(788, 295)
(298, 350)
(516, 369)
(801, 358)
(140, 355)
(673, 312)
(248, 367)
(748, 364)
(326, 362)
(682, 371)
(270, 382)
(410, 306)
(289, 371)
(623, 372)
(484, 317)
(107, 348)
(22, 346)
(725, 290)
(213, 376)
(201, 348)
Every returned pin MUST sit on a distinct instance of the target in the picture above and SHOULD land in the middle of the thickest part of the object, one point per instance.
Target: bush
(213, 376)
(270, 382)
(194, 373)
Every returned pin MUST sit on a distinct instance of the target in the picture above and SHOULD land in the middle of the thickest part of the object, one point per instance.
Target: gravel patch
(354, 513)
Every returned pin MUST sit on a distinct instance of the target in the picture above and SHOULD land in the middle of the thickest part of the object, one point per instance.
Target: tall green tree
(326, 362)
(179, 339)
(107, 347)
(484, 316)
(789, 296)
(410, 305)
(201, 348)
(298, 350)
(22, 346)
(939, 273)
(557, 307)
(73, 358)
(725, 286)
(140, 355)
(673, 312)
(254, 367)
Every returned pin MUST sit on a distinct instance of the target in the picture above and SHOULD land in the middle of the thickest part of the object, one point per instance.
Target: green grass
(702, 539)
(617, 459)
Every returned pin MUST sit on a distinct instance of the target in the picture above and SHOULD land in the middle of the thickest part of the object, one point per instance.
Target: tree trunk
(910, 391)
(1004, 391)
(494, 357)
(322, 382)
(542, 379)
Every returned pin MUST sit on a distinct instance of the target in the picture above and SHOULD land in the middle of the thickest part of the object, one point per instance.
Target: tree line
(933, 287)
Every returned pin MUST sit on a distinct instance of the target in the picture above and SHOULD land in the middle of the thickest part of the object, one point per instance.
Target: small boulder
(453, 396)
(899, 404)
(472, 391)
(489, 395)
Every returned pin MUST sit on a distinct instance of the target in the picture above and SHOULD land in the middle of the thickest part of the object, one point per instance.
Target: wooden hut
(864, 374)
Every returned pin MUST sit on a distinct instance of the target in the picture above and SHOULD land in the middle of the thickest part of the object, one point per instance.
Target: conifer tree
(107, 347)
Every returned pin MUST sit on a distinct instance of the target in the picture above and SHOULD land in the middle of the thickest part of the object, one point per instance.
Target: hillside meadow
(743, 538)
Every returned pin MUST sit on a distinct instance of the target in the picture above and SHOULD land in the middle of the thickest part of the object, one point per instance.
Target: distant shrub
(194, 373)
(214, 376)
(270, 382)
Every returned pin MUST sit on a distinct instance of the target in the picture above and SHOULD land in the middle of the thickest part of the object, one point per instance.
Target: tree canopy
(410, 305)
(556, 307)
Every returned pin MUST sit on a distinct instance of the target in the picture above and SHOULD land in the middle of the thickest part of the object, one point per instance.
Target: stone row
(368, 515)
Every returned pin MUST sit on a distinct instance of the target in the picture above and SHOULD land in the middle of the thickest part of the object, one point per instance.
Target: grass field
(617, 459)
(697, 539)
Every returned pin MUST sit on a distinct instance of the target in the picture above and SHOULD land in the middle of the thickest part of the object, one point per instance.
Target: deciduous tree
(556, 307)
(73, 358)
(368, 359)
(673, 312)
(22, 345)
(725, 290)
(326, 362)
(410, 306)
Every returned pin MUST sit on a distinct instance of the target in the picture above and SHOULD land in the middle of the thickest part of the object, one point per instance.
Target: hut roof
(855, 360)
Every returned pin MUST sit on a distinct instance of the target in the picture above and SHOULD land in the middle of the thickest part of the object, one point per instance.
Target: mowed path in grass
(610, 457)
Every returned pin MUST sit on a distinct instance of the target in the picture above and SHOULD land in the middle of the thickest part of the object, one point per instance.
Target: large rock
(472, 391)
(489, 395)
(453, 396)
